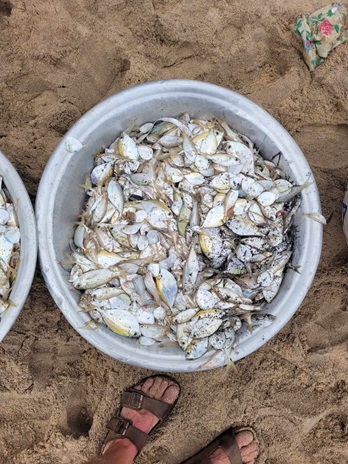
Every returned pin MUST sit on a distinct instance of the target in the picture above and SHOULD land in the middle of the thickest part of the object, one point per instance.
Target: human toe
(155, 388)
(146, 386)
(171, 393)
(251, 456)
(246, 450)
(244, 438)
(162, 388)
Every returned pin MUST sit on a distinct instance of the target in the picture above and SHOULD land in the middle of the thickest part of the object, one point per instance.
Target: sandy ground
(58, 58)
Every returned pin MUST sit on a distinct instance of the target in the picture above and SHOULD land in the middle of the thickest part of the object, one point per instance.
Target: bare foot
(156, 387)
(247, 446)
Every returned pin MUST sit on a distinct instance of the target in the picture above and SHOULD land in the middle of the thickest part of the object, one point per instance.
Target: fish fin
(295, 268)
(230, 364)
(316, 217)
(90, 325)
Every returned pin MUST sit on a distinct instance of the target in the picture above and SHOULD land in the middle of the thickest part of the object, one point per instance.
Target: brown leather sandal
(119, 427)
(227, 442)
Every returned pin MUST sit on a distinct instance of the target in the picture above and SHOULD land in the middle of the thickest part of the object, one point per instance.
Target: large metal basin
(28, 251)
(60, 199)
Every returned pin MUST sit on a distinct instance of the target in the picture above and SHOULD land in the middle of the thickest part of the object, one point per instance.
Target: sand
(57, 60)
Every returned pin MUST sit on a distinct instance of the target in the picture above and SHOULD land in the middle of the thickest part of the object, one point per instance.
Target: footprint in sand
(5, 8)
(331, 429)
(77, 421)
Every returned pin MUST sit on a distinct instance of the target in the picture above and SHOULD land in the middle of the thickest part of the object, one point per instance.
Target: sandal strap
(227, 442)
(230, 446)
(123, 428)
(136, 399)
(119, 427)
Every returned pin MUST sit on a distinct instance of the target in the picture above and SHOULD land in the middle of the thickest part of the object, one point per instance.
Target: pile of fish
(9, 247)
(185, 235)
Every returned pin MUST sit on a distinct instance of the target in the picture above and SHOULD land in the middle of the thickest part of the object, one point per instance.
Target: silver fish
(185, 234)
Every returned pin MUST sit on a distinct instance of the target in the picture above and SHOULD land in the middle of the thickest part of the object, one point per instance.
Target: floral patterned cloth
(321, 32)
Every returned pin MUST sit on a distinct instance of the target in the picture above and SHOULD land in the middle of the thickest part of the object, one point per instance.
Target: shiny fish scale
(185, 235)
(9, 248)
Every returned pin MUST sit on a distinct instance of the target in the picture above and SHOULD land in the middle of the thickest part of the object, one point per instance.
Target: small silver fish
(185, 234)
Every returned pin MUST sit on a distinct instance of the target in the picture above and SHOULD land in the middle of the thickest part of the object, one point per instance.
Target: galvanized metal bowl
(28, 251)
(60, 199)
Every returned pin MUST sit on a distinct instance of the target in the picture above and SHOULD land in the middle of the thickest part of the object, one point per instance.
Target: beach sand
(57, 60)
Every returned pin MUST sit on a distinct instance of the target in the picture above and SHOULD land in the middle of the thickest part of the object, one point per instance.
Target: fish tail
(230, 364)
